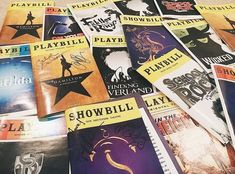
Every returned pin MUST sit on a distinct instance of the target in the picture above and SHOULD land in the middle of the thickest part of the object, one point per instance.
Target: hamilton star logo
(30, 29)
(71, 83)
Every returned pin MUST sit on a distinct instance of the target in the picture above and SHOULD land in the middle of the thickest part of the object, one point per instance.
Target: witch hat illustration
(194, 34)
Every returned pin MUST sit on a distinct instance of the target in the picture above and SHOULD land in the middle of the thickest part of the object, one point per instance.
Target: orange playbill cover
(224, 72)
(65, 75)
(23, 22)
(222, 20)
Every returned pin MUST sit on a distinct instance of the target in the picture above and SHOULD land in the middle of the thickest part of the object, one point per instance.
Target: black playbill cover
(177, 8)
(137, 7)
(201, 41)
(37, 156)
(113, 61)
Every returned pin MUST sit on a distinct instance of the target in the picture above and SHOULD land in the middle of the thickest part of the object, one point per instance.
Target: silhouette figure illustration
(65, 66)
(30, 18)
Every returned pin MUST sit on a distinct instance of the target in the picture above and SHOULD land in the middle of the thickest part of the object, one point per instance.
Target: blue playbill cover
(16, 81)
(225, 82)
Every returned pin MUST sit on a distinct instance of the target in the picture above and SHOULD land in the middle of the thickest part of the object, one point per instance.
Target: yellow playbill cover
(185, 82)
(222, 20)
(94, 115)
(23, 22)
(65, 75)
(141, 20)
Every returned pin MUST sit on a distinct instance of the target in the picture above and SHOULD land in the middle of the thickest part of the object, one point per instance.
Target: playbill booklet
(224, 25)
(177, 8)
(137, 7)
(97, 17)
(31, 127)
(182, 80)
(195, 149)
(147, 38)
(225, 82)
(112, 58)
(111, 137)
(65, 75)
(17, 95)
(37, 155)
(196, 35)
(213, 2)
(23, 22)
(59, 24)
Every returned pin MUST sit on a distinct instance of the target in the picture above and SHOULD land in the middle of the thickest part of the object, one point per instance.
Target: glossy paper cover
(31, 127)
(38, 156)
(17, 95)
(23, 22)
(182, 80)
(224, 25)
(137, 7)
(147, 38)
(112, 58)
(110, 137)
(97, 17)
(225, 82)
(59, 24)
(196, 35)
(214, 2)
(177, 8)
(66, 75)
(195, 149)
